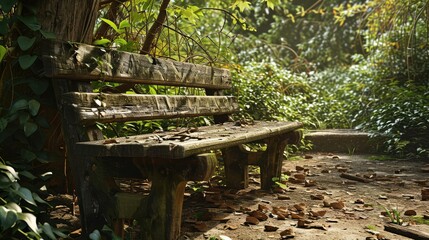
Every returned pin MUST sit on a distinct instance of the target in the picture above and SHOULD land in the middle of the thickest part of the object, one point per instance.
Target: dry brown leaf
(337, 205)
(410, 212)
(200, 226)
(269, 228)
(317, 197)
(259, 215)
(251, 220)
(283, 197)
(230, 227)
(287, 233)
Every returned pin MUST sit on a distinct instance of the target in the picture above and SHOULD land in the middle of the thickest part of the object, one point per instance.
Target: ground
(318, 202)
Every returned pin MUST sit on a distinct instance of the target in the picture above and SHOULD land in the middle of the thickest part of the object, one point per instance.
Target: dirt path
(306, 208)
(312, 196)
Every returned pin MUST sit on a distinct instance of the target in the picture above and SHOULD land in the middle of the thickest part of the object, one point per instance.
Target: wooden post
(160, 214)
(236, 170)
(271, 164)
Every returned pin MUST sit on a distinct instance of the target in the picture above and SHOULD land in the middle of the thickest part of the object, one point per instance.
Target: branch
(155, 29)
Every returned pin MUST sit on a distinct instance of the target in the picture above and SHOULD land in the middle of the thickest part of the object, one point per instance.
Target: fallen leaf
(318, 212)
(299, 176)
(359, 201)
(317, 197)
(332, 220)
(300, 206)
(263, 208)
(299, 168)
(382, 197)
(283, 197)
(200, 226)
(288, 233)
(269, 228)
(251, 220)
(309, 183)
(110, 141)
(230, 227)
(337, 205)
(410, 212)
(223, 237)
(259, 215)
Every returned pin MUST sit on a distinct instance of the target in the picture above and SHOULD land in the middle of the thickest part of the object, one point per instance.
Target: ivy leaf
(38, 86)
(111, 24)
(3, 52)
(241, 4)
(9, 169)
(124, 24)
(25, 43)
(48, 230)
(102, 42)
(19, 105)
(30, 219)
(25, 61)
(48, 35)
(33, 107)
(7, 5)
(189, 13)
(10, 219)
(30, 128)
(272, 3)
(121, 41)
(28, 155)
(31, 22)
(26, 194)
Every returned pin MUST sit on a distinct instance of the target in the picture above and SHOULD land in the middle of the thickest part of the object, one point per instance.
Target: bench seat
(185, 143)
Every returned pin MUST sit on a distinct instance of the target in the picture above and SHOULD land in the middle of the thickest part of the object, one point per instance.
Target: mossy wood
(101, 107)
(169, 159)
(87, 63)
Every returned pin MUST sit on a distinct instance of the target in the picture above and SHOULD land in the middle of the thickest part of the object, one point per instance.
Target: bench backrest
(81, 64)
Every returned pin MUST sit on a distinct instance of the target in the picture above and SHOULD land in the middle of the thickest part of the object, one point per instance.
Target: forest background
(327, 63)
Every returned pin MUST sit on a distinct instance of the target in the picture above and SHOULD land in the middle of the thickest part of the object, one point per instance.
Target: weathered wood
(354, 178)
(169, 145)
(99, 107)
(86, 63)
(161, 213)
(236, 169)
(271, 162)
(406, 231)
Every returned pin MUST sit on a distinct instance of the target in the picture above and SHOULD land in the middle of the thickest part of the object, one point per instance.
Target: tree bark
(70, 20)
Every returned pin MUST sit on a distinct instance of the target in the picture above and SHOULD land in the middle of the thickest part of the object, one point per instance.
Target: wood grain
(83, 62)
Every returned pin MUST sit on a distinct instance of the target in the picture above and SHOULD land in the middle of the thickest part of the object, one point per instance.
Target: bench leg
(236, 170)
(160, 214)
(272, 159)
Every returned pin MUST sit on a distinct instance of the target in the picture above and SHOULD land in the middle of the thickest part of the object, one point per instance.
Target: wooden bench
(169, 158)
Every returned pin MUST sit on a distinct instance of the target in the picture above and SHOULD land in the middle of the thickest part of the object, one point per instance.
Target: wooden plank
(83, 62)
(174, 145)
(406, 231)
(87, 108)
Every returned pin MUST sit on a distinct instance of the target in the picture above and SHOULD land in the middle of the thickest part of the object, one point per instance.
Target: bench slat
(87, 63)
(176, 146)
(95, 107)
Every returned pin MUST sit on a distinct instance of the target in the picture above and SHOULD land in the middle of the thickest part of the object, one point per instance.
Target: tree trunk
(70, 20)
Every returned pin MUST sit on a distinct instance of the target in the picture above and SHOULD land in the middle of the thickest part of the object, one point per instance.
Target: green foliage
(394, 215)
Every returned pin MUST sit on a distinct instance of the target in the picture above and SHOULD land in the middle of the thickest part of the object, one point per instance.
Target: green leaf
(241, 4)
(25, 43)
(120, 41)
(124, 24)
(31, 22)
(25, 194)
(30, 128)
(9, 169)
(102, 42)
(47, 229)
(48, 35)
(25, 61)
(4, 26)
(10, 219)
(27, 174)
(30, 219)
(59, 233)
(38, 199)
(3, 52)
(23, 117)
(19, 105)
(95, 235)
(27, 155)
(7, 5)
(3, 124)
(38, 86)
(111, 24)
(13, 206)
(33, 106)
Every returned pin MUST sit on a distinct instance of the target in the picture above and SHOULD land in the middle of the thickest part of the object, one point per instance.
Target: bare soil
(318, 202)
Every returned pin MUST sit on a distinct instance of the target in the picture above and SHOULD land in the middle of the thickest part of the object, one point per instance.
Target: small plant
(280, 181)
(394, 215)
(419, 220)
(371, 227)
